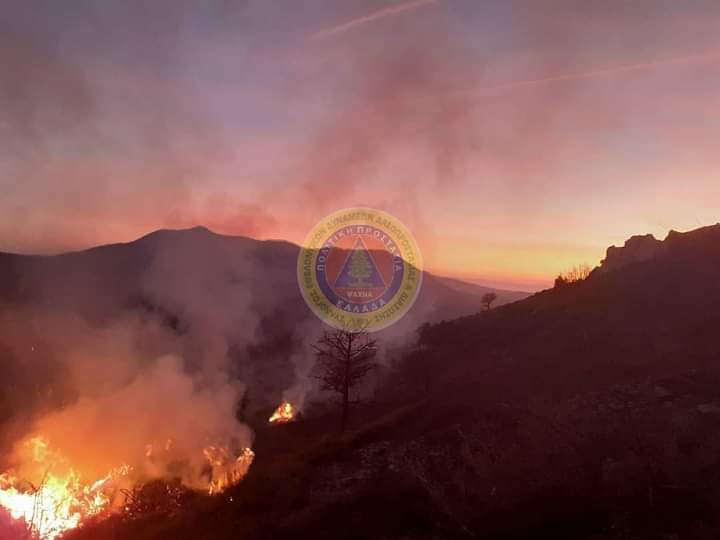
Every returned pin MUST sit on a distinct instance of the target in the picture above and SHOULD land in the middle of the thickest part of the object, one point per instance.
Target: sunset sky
(514, 138)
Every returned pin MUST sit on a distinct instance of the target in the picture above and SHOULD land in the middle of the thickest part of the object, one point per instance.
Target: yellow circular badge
(360, 268)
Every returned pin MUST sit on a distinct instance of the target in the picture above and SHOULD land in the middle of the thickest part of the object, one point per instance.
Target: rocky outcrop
(646, 247)
(637, 249)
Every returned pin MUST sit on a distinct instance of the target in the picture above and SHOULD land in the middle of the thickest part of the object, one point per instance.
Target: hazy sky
(499, 131)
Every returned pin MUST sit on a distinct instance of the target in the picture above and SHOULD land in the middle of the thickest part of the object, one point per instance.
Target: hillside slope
(652, 312)
(589, 411)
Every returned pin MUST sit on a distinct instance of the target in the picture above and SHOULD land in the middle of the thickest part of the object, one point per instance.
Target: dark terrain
(587, 411)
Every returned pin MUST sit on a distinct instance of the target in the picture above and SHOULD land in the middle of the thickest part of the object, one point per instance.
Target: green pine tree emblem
(360, 268)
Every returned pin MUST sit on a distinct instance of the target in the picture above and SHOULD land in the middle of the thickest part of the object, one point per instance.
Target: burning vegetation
(227, 469)
(284, 413)
(53, 498)
(157, 433)
(45, 496)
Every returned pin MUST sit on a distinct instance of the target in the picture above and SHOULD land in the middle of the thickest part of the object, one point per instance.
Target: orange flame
(284, 413)
(61, 500)
(226, 469)
(47, 497)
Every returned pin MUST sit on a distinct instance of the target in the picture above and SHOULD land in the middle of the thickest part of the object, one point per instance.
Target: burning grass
(54, 498)
(46, 496)
(227, 469)
(284, 413)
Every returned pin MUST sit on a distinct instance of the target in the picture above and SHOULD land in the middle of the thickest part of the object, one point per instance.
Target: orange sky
(516, 139)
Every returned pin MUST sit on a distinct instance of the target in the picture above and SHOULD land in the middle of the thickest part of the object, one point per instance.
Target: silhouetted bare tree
(344, 358)
(488, 299)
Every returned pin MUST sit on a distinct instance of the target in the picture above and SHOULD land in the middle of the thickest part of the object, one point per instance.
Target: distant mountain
(119, 274)
(473, 290)
(212, 299)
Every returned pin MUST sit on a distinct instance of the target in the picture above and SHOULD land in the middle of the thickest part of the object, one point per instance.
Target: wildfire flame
(284, 413)
(48, 497)
(61, 500)
(225, 467)
(227, 470)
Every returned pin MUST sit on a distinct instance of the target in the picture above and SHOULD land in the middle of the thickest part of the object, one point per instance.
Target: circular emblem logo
(359, 268)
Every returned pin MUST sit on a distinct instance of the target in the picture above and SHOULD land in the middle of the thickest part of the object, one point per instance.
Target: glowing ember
(60, 499)
(284, 413)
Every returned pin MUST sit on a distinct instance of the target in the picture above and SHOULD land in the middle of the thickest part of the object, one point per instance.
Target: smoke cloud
(144, 368)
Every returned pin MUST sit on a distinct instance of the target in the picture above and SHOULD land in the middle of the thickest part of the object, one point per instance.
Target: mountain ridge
(155, 239)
